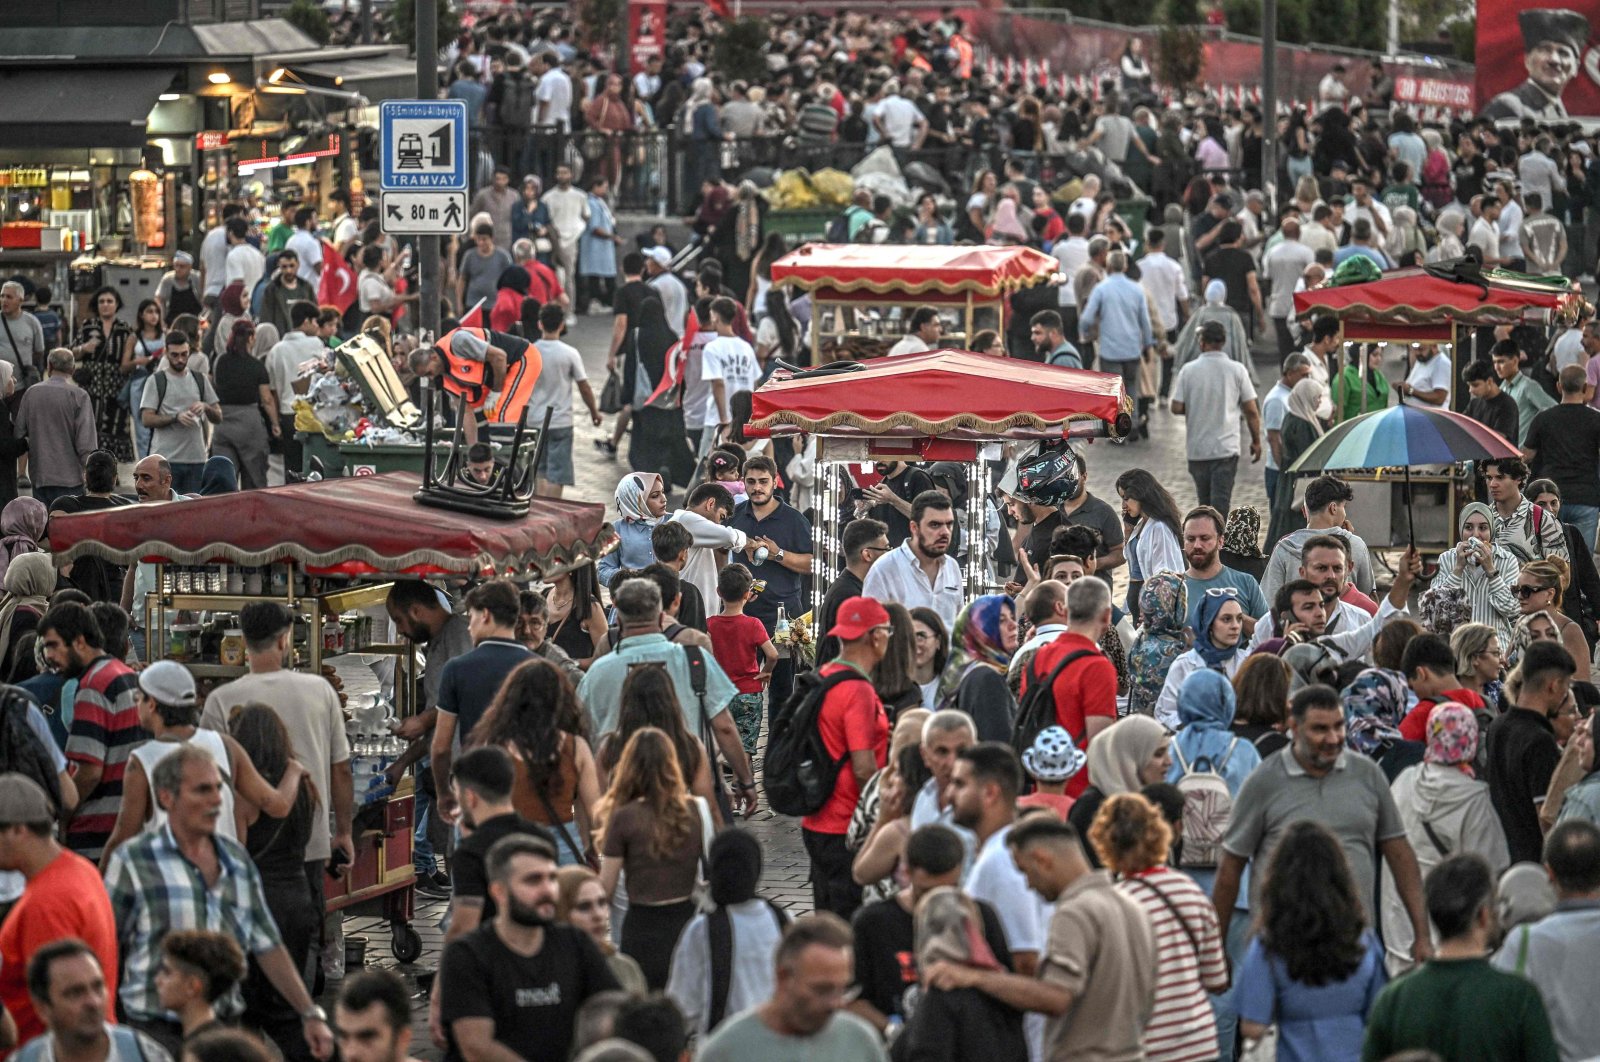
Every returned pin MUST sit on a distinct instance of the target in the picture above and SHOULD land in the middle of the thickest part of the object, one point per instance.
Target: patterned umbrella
(1402, 436)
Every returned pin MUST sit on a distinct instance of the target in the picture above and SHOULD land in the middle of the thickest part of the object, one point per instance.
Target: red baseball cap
(857, 616)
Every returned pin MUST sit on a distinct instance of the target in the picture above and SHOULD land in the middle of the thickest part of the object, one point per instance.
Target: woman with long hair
(773, 248)
(1261, 702)
(778, 334)
(244, 391)
(102, 342)
(537, 719)
(1132, 840)
(1152, 545)
(581, 903)
(932, 651)
(278, 849)
(1163, 637)
(1124, 758)
(973, 221)
(982, 640)
(576, 617)
(1314, 968)
(882, 820)
(140, 356)
(649, 699)
(656, 832)
(897, 688)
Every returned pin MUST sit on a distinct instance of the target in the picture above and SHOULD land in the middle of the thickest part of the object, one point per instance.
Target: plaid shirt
(155, 889)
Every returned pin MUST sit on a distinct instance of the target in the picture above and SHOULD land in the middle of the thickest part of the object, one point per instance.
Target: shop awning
(353, 526)
(829, 270)
(1418, 297)
(70, 108)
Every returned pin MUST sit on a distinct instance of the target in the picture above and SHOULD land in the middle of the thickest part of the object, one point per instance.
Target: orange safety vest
(470, 379)
(963, 49)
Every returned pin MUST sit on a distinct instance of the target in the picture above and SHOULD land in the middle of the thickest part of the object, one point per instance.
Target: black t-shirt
(98, 578)
(1499, 413)
(1233, 266)
(239, 379)
(514, 346)
(886, 958)
(1522, 755)
(1469, 174)
(532, 1000)
(1037, 544)
(1103, 518)
(908, 484)
(1566, 444)
(468, 879)
(692, 606)
(841, 590)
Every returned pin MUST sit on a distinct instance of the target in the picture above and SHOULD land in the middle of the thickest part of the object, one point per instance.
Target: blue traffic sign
(424, 145)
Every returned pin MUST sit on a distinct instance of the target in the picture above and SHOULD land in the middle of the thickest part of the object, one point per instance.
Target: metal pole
(624, 40)
(366, 21)
(427, 18)
(1269, 104)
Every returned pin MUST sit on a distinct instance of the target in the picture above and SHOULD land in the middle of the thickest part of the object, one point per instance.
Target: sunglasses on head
(1222, 591)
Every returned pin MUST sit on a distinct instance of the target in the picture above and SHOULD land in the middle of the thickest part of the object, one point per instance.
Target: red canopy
(831, 269)
(355, 526)
(1416, 297)
(950, 393)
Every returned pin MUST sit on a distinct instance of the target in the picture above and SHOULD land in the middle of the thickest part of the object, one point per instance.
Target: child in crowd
(1051, 762)
(742, 647)
(198, 967)
(725, 465)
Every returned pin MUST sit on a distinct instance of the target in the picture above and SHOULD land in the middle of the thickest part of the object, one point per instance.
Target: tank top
(154, 751)
(560, 789)
(278, 846)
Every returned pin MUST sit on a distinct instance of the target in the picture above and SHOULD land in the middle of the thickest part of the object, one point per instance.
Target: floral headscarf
(1163, 604)
(1452, 736)
(976, 641)
(1442, 609)
(1373, 706)
(1242, 537)
(22, 523)
(633, 490)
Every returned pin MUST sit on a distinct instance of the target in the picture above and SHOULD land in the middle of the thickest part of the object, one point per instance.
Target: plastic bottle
(781, 628)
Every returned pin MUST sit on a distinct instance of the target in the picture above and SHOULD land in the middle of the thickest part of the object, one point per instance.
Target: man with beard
(1316, 779)
(779, 528)
(1202, 548)
(372, 1021)
(1427, 383)
(920, 572)
(105, 721)
(1553, 40)
(512, 988)
(152, 482)
(889, 499)
(1048, 335)
(1325, 565)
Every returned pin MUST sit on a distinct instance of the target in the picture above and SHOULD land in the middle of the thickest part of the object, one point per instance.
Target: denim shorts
(556, 465)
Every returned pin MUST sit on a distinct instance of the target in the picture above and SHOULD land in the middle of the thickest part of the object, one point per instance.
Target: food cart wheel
(406, 943)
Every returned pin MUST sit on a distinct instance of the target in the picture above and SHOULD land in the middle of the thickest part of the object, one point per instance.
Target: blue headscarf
(218, 476)
(1205, 739)
(1210, 605)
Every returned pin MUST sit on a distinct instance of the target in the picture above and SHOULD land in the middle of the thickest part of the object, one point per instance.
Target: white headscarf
(1309, 401)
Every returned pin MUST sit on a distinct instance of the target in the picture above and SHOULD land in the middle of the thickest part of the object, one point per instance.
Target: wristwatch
(779, 557)
(314, 1013)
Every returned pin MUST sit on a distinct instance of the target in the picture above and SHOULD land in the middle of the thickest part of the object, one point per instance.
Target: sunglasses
(1223, 591)
(1525, 591)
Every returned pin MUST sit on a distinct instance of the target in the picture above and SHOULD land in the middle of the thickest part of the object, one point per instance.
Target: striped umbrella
(1399, 437)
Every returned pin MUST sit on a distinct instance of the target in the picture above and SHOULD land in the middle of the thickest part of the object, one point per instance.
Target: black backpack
(515, 110)
(20, 748)
(1038, 708)
(697, 682)
(839, 229)
(719, 933)
(798, 774)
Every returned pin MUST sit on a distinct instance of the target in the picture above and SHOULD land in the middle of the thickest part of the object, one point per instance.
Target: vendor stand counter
(316, 547)
(863, 294)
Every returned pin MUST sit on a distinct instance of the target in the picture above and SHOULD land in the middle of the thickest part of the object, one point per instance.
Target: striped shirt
(105, 731)
(1181, 1026)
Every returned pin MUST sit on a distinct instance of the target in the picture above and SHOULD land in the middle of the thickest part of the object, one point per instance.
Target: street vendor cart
(1441, 305)
(945, 405)
(862, 294)
(328, 551)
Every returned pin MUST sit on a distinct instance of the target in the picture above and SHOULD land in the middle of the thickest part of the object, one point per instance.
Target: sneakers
(435, 885)
(606, 446)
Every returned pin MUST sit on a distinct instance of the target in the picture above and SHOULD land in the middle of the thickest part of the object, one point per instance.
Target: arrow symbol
(394, 212)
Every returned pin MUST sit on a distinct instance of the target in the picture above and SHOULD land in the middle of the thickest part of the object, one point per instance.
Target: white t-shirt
(555, 91)
(308, 247)
(1285, 263)
(1485, 237)
(733, 361)
(1569, 349)
(283, 365)
(995, 879)
(1430, 375)
(696, 389)
(562, 368)
(244, 263)
(1071, 252)
(214, 260)
(900, 117)
(911, 344)
(1211, 388)
(1274, 409)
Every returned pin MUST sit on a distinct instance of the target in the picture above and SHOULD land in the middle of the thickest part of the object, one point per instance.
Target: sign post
(427, 53)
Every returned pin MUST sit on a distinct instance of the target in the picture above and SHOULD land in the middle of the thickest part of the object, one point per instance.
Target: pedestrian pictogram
(423, 213)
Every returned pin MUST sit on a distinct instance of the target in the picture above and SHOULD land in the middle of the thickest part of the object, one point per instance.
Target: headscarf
(1216, 292)
(1522, 636)
(975, 641)
(1006, 222)
(1205, 738)
(1475, 509)
(1441, 609)
(1213, 654)
(949, 929)
(1452, 736)
(1307, 399)
(1163, 608)
(1374, 703)
(218, 477)
(1242, 536)
(266, 338)
(28, 583)
(632, 490)
(22, 523)
(1122, 748)
(654, 338)
(1524, 895)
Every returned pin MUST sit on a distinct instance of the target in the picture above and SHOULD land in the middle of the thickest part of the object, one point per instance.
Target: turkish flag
(476, 317)
(720, 8)
(338, 284)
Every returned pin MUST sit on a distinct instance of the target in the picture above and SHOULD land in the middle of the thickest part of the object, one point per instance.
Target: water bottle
(781, 628)
(760, 555)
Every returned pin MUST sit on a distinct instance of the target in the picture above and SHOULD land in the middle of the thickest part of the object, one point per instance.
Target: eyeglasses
(885, 548)
(924, 636)
(886, 629)
(1525, 591)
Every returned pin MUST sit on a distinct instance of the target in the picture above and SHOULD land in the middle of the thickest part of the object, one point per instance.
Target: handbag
(1262, 1050)
(590, 860)
(611, 393)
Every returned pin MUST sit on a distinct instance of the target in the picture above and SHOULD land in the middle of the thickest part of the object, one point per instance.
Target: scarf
(1214, 655)
(1452, 737)
(949, 929)
(1121, 751)
(28, 583)
(1163, 607)
(1373, 706)
(1306, 400)
(747, 227)
(976, 642)
(22, 523)
(632, 490)
(1243, 533)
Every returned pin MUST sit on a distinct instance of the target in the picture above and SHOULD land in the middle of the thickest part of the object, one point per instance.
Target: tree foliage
(1180, 56)
(737, 51)
(405, 22)
(309, 18)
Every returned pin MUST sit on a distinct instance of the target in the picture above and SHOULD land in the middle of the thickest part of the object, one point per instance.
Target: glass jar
(231, 653)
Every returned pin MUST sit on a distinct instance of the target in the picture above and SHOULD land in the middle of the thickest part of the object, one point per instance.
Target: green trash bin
(1136, 213)
(358, 459)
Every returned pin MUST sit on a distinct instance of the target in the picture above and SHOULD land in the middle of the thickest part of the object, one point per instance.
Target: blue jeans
(1272, 486)
(1224, 1005)
(421, 847)
(1582, 517)
(186, 476)
(48, 495)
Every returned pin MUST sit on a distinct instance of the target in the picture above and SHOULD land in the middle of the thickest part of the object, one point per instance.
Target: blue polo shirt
(792, 532)
(468, 683)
